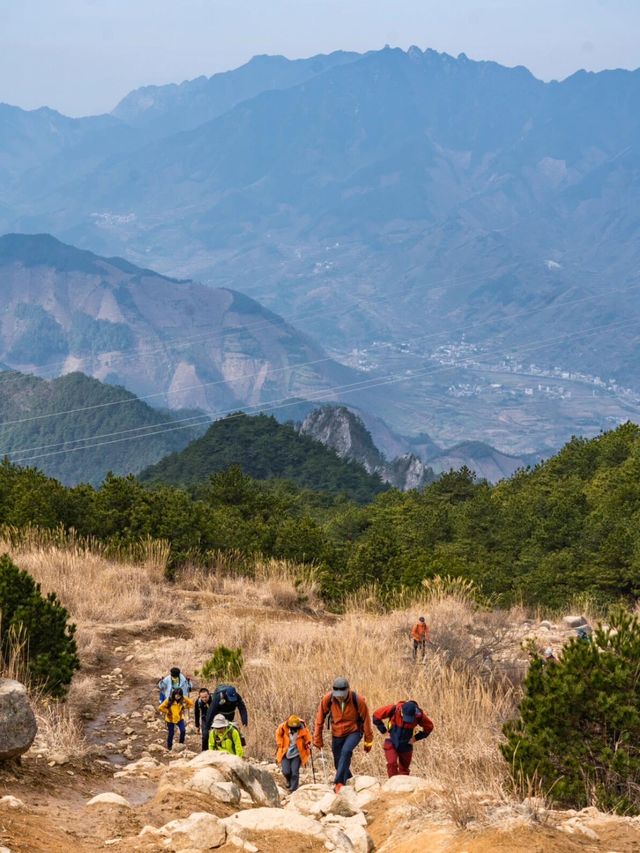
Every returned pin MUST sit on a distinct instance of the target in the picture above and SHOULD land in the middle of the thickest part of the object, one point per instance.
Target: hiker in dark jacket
(402, 719)
(225, 700)
(201, 709)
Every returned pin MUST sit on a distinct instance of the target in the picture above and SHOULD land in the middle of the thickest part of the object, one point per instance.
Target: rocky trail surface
(128, 794)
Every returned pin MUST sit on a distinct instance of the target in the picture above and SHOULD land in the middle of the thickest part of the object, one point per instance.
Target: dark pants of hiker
(291, 771)
(419, 644)
(398, 763)
(205, 740)
(171, 730)
(342, 748)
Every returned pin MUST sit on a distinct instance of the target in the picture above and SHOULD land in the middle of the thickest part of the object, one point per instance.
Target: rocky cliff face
(173, 343)
(344, 431)
(418, 461)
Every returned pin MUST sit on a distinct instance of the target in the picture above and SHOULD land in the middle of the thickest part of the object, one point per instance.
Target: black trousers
(291, 771)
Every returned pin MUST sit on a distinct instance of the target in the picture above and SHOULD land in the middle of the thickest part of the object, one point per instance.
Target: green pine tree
(42, 623)
(578, 732)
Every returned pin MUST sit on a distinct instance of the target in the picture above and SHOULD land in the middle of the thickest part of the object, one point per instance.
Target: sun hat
(220, 722)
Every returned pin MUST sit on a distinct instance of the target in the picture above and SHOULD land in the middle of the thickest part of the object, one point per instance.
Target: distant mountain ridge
(175, 343)
(342, 430)
(402, 202)
(77, 429)
(266, 450)
(419, 461)
(178, 107)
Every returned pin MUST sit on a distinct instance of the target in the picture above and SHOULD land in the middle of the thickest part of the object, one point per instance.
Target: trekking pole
(313, 767)
(324, 765)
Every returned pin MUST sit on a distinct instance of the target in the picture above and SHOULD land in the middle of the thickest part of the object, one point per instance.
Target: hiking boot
(337, 788)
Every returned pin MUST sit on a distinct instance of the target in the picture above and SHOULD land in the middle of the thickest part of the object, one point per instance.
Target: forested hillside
(265, 450)
(567, 527)
(77, 429)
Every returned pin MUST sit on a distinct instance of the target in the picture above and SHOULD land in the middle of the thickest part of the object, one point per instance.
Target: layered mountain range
(459, 223)
(173, 343)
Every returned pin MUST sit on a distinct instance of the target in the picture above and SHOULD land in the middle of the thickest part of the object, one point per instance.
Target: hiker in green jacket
(225, 737)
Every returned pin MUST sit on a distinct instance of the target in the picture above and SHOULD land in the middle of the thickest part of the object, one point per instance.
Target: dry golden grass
(61, 736)
(293, 656)
(93, 587)
(290, 663)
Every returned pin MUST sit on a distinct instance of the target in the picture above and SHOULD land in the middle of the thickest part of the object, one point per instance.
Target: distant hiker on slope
(225, 737)
(203, 703)
(349, 719)
(225, 700)
(293, 748)
(420, 637)
(173, 709)
(402, 720)
(172, 681)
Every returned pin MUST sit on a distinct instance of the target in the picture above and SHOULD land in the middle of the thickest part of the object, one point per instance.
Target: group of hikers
(345, 713)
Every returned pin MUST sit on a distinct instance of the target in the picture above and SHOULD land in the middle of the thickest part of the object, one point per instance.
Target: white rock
(109, 799)
(344, 804)
(577, 826)
(307, 798)
(546, 625)
(265, 819)
(365, 783)
(358, 836)
(9, 802)
(338, 840)
(4, 850)
(404, 784)
(209, 780)
(254, 780)
(574, 621)
(199, 831)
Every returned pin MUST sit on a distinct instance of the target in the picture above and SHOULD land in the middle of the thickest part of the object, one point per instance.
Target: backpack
(217, 693)
(233, 745)
(354, 699)
(220, 689)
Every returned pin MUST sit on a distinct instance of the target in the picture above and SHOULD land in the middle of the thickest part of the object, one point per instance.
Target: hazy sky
(82, 56)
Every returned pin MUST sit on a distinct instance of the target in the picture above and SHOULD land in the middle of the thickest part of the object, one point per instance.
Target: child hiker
(173, 709)
(293, 742)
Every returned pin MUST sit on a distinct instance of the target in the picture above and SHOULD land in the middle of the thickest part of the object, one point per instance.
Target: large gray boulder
(18, 725)
(248, 777)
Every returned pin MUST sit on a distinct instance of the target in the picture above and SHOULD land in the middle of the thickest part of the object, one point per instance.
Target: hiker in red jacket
(402, 720)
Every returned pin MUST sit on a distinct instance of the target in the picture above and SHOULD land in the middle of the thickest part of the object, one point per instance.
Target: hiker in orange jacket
(349, 721)
(420, 637)
(402, 720)
(293, 748)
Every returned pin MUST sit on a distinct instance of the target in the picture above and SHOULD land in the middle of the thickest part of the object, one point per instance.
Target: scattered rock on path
(18, 725)
(307, 799)
(209, 780)
(574, 621)
(242, 824)
(109, 799)
(404, 784)
(199, 831)
(9, 802)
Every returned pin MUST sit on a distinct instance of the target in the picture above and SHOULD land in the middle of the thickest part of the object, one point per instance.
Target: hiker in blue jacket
(174, 681)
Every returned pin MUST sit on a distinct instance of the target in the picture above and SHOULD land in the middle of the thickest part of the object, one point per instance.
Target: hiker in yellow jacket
(225, 737)
(173, 709)
(293, 748)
